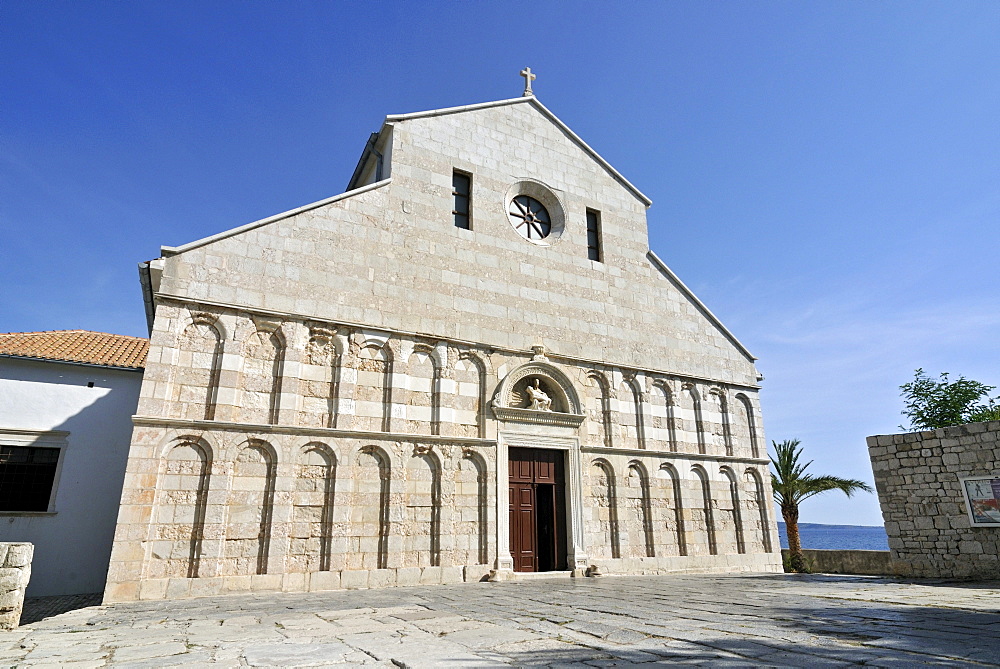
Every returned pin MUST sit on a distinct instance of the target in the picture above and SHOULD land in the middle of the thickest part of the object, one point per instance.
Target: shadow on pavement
(843, 634)
(710, 620)
(862, 579)
(40, 608)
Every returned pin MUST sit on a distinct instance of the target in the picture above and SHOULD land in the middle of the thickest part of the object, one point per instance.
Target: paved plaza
(773, 619)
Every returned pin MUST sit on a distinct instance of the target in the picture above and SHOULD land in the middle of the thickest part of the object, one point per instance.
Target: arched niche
(513, 399)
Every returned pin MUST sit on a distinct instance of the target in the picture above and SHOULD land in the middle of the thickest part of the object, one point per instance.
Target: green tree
(931, 404)
(792, 486)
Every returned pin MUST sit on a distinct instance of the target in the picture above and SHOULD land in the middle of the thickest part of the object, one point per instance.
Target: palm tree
(792, 486)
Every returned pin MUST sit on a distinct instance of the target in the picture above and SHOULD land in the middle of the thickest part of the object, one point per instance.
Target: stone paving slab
(717, 620)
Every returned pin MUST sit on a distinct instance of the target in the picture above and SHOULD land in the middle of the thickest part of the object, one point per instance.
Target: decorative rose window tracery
(530, 217)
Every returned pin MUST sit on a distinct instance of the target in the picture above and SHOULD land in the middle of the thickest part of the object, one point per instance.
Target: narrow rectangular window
(594, 235)
(26, 477)
(461, 188)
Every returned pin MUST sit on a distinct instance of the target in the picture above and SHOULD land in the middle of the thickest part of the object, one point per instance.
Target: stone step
(533, 575)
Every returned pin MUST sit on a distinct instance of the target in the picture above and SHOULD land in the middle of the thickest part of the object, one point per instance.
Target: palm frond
(791, 483)
(821, 484)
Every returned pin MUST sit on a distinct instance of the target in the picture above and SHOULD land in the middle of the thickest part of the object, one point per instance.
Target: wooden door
(537, 531)
(523, 543)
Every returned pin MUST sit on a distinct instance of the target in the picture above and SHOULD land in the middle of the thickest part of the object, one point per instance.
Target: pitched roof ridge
(681, 286)
(537, 104)
(455, 110)
(98, 332)
(167, 251)
(87, 347)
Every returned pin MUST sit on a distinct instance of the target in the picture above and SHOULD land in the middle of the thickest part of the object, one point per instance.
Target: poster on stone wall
(982, 499)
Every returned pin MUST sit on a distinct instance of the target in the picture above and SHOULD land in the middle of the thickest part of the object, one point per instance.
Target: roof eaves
(662, 266)
(167, 251)
(78, 363)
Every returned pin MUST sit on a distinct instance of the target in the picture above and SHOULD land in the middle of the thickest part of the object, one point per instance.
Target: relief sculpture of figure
(539, 400)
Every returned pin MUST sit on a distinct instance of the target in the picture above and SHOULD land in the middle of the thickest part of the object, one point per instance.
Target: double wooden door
(537, 509)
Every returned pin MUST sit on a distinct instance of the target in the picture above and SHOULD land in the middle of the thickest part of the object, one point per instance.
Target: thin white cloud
(833, 371)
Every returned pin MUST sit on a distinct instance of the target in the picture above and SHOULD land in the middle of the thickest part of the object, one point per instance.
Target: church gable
(532, 103)
(504, 148)
(391, 254)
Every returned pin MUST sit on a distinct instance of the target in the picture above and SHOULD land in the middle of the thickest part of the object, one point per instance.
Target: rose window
(530, 218)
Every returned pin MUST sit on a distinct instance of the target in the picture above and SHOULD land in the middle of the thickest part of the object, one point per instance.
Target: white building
(66, 405)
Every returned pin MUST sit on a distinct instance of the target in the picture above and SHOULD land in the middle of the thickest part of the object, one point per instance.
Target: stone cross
(528, 78)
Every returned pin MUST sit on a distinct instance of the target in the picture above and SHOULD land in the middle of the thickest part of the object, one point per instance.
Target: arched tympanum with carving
(538, 392)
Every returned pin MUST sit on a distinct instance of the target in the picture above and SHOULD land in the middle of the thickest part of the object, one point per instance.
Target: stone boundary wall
(862, 563)
(14, 575)
(917, 478)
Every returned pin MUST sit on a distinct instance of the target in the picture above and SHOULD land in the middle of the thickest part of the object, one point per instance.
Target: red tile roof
(83, 346)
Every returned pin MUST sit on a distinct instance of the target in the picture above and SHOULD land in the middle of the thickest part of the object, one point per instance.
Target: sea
(839, 537)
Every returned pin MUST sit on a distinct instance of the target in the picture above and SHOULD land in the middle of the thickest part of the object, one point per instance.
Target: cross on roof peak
(528, 78)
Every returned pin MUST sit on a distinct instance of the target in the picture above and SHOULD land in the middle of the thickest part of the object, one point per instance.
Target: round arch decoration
(518, 397)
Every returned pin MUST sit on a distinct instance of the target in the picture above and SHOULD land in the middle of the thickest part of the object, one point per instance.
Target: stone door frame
(576, 552)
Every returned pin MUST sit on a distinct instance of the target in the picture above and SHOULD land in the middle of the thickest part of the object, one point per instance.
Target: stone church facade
(468, 366)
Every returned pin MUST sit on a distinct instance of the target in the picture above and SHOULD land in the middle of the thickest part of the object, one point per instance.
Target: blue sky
(825, 175)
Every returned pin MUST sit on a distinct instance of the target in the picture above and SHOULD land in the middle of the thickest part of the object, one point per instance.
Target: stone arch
(421, 530)
(321, 377)
(675, 498)
(748, 423)
(561, 391)
(369, 541)
(662, 415)
(178, 527)
(737, 511)
(636, 498)
(693, 420)
(630, 413)
(708, 517)
(604, 506)
(197, 367)
(469, 402)
(217, 321)
(310, 534)
(724, 429)
(373, 362)
(423, 399)
(260, 380)
(472, 503)
(756, 485)
(205, 440)
(250, 505)
(599, 413)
